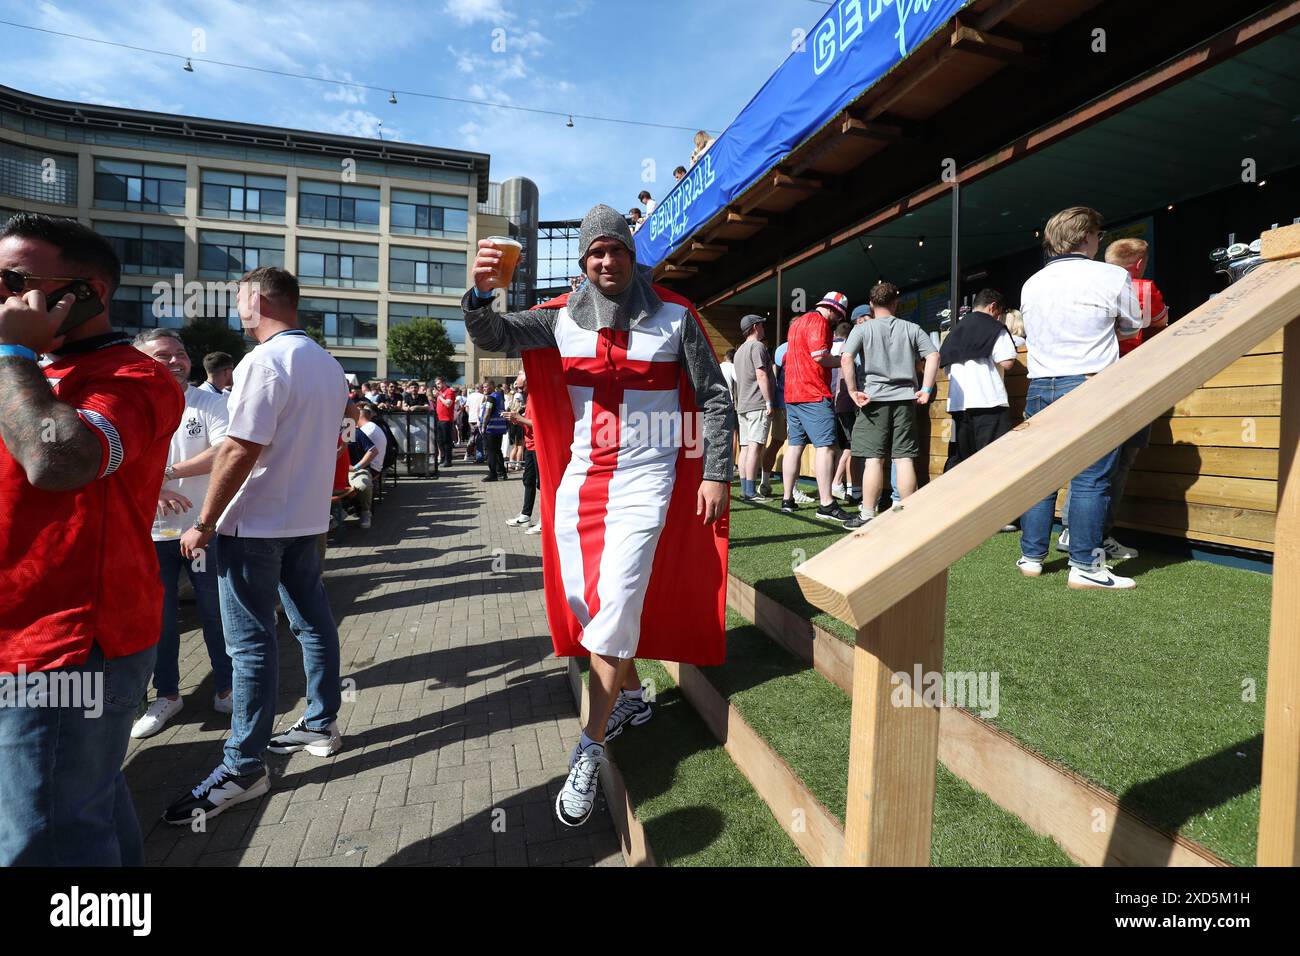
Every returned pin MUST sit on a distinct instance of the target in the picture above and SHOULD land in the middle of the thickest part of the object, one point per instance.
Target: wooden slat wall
(1210, 472)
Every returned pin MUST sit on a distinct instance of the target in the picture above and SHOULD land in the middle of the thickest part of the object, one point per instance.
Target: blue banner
(851, 47)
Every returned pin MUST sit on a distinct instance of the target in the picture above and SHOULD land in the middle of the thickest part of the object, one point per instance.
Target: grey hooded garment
(591, 309)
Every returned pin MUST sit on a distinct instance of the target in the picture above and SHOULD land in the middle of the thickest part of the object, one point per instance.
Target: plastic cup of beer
(510, 250)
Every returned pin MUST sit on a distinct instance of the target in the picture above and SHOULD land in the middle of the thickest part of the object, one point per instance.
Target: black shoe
(489, 478)
(218, 792)
(852, 502)
(833, 512)
(856, 522)
(788, 506)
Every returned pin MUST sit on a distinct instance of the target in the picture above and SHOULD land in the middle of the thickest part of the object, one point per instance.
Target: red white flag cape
(684, 615)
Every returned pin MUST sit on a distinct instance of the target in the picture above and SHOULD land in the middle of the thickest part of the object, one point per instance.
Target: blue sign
(851, 47)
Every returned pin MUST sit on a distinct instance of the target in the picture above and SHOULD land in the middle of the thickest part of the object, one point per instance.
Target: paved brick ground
(457, 736)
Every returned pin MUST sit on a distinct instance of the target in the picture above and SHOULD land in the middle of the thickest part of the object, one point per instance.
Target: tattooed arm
(46, 436)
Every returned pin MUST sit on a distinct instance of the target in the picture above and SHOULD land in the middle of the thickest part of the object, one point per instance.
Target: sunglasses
(16, 282)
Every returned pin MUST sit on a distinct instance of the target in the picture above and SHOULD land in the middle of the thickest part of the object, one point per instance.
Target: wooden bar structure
(886, 578)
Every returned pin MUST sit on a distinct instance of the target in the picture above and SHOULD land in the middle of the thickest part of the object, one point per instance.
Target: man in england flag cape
(633, 424)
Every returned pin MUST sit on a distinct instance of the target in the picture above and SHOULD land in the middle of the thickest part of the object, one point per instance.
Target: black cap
(749, 321)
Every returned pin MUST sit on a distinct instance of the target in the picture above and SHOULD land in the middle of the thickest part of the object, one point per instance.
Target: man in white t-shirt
(189, 460)
(474, 408)
(268, 501)
(975, 355)
(1073, 307)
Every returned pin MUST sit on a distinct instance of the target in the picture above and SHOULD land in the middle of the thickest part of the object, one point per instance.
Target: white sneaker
(1063, 542)
(1118, 552)
(318, 743)
(224, 705)
(519, 519)
(627, 710)
(801, 499)
(1030, 569)
(219, 791)
(156, 717)
(534, 529)
(577, 798)
(1099, 579)
(365, 519)
(837, 491)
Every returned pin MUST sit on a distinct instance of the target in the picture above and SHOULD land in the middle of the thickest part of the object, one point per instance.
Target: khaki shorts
(754, 427)
(886, 430)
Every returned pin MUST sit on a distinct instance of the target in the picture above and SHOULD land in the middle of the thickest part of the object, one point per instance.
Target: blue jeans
(63, 797)
(1089, 491)
(166, 673)
(251, 572)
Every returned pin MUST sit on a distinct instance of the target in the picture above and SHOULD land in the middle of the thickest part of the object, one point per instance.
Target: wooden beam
(883, 132)
(1279, 798)
(798, 183)
(970, 40)
(878, 565)
(894, 745)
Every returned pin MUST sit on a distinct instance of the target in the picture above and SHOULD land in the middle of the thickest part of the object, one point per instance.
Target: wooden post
(1279, 798)
(893, 749)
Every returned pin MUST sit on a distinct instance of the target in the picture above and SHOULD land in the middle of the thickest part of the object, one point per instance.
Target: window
(338, 205)
(426, 270)
(342, 321)
(362, 368)
(347, 265)
(228, 255)
(399, 313)
(133, 310)
(429, 214)
(147, 250)
(240, 196)
(140, 187)
(38, 175)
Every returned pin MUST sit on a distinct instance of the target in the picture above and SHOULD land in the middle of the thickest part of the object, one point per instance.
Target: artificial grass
(806, 721)
(696, 807)
(1140, 692)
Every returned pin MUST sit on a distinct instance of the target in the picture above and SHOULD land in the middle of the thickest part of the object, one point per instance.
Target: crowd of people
(638, 214)
(852, 384)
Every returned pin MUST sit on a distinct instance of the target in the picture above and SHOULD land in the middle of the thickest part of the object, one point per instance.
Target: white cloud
(360, 123)
(468, 12)
(352, 95)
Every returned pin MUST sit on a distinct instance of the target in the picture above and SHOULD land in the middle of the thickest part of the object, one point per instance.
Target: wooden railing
(889, 579)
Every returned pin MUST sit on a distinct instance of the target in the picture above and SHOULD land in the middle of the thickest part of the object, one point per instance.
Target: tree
(204, 336)
(422, 348)
(316, 334)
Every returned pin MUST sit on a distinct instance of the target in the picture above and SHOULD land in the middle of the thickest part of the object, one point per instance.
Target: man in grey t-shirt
(889, 348)
(755, 381)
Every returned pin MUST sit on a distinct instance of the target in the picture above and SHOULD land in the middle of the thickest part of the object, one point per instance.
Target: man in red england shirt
(84, 445)
(446, 410)
(809, 413)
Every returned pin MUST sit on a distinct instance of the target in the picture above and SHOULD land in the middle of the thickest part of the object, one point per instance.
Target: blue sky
(693, 63)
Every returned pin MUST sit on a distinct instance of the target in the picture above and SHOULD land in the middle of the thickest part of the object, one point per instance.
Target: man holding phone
(83, 445)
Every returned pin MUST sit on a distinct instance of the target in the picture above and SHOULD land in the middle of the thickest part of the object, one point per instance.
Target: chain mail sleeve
(509, 331)
(713, 398)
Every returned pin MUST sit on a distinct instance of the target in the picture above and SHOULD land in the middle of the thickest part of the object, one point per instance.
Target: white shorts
(755, 427)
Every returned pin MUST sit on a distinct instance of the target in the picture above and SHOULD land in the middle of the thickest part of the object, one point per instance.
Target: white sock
(584, 742)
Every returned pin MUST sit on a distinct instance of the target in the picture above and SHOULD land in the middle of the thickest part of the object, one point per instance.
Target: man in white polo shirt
(185, 481)
(269, 500)
(1072, 309)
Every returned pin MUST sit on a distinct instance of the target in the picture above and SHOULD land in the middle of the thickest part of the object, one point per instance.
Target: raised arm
(502, 331)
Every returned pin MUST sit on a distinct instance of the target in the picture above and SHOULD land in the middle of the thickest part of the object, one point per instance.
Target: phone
(86, 305)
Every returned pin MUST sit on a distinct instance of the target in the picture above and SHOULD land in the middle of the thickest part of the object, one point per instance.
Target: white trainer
(318, 743)
(577, 798)
(1030, 569)
(1099, 579)
(837, 491)
(519, 519)
(156, 717)
(1063, 542)
(534, 529)
(801, 499)
(224, 705)
(1118, 552)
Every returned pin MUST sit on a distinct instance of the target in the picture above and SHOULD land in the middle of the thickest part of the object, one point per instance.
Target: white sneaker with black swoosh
(1099, 579)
